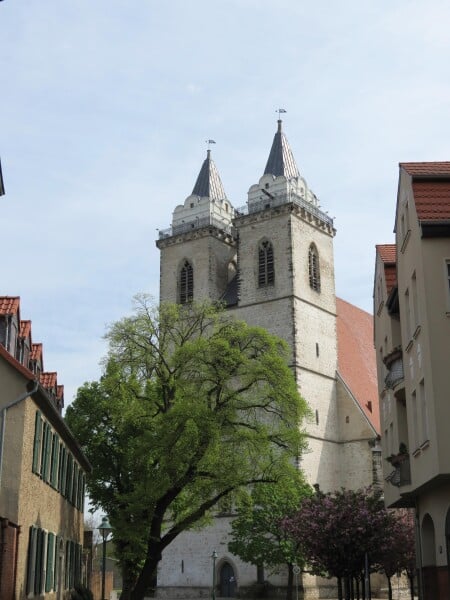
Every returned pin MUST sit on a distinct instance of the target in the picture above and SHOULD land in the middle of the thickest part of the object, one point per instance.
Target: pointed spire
(281, 160)
(208, 181)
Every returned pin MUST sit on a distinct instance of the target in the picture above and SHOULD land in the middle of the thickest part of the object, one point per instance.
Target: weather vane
(209, 142)
(280, 111)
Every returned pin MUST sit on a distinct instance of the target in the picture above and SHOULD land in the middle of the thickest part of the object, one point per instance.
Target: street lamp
(214, 558)
(105, 529)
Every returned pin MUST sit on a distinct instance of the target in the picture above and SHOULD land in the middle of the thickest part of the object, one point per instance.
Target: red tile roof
(356, 358)
(48, 380)
(9, 305)
(387, 252)
(36, 351)
(25, 328)
(426, 169)
(432, 199)
(388, 255)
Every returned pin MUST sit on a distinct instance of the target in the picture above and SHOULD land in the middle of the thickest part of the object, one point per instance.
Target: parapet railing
(196, 223)
(273, 201)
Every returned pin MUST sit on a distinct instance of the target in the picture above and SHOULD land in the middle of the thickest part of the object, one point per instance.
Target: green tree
(192, 407)
(257, 535)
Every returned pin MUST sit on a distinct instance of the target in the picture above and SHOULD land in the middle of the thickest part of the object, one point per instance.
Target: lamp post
(105, 529)
(214, 558)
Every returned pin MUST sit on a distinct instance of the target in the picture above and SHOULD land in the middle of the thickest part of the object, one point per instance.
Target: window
(186, 283)
(415, 421)
(55, 465)
(424, 412)
(408, 316)
(314, 268)
(415, 303)
(266, 270)
(447, 272)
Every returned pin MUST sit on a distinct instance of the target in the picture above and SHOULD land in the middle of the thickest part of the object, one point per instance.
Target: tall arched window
(266, 270)
(186, 283)
(314, 268)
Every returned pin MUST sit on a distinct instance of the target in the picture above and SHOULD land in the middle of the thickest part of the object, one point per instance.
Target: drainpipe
(3, 419)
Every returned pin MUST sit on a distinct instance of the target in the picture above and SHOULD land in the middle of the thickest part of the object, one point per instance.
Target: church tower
(198, 252)
(271, 263)
(286, 285)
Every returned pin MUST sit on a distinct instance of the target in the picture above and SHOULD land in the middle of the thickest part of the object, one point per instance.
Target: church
(271, 263)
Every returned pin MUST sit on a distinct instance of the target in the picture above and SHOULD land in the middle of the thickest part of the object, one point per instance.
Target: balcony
(395, 374)
(401, 475)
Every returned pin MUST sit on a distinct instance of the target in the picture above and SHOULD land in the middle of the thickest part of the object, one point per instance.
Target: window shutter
(55, 457)
(50, 562)
(31, 560)
(37, 442)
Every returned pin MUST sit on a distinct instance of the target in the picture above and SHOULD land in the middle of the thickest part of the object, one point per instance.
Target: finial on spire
(280, 111)
(209, 142)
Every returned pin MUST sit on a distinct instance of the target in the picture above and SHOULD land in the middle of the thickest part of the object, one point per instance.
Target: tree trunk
(389, 588)
(128, 581)
(346, 588)
(411, 585)
(148, 571)
(290, 585)
(260, 573)
(340, 595)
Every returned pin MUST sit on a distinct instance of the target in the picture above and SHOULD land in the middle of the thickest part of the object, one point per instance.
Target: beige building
(42, 472)
(412, 340)
(272, 263)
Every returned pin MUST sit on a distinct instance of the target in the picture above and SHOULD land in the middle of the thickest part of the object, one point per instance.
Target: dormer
(9, 322)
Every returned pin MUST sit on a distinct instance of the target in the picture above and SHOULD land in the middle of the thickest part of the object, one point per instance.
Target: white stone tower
(272, 263)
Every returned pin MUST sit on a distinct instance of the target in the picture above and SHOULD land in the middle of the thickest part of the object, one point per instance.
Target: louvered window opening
(314, 269)
(186, 283)
(266, 270)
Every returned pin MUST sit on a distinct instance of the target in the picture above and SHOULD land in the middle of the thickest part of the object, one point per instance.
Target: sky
(105, 107)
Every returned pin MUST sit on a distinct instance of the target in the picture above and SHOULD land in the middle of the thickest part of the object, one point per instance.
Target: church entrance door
(227, 581)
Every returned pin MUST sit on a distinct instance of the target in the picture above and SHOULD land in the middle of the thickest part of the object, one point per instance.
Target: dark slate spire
(281, 160)
(208, 181)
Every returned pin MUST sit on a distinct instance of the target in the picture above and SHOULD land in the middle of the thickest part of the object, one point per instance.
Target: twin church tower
(271, 263)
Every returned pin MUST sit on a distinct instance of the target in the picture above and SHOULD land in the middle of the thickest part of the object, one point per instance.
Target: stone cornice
(196, 234)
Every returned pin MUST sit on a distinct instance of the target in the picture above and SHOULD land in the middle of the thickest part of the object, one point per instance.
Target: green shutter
(44, 450)
(31, 560)
(64, 473)
(75, 484)
(40, 562)
(55, 456)
(69, 482)
(60, 466)
(48, 454)
(37, 442)
(50, 554)
(56, 563)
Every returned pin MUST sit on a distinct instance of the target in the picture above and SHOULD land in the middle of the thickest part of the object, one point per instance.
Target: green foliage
(192, 407)
(257, 536)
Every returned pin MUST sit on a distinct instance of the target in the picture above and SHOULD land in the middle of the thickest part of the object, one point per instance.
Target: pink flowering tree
(336, 531)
